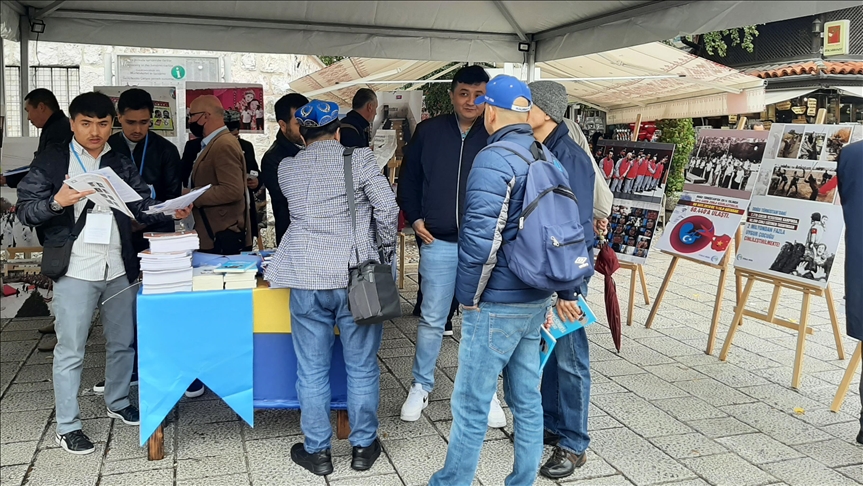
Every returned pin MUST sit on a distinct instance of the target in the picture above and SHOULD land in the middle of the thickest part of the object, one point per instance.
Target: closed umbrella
(607, 264)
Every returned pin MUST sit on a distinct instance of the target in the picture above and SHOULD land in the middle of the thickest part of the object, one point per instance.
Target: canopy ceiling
(703, 87)
(441, 31)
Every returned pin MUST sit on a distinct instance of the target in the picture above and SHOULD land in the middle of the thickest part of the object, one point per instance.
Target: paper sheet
(384, 146)
(125, 191)
(182, 202)
(105, 195)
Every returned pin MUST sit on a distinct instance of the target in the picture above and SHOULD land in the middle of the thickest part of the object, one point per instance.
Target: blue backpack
(549, 252)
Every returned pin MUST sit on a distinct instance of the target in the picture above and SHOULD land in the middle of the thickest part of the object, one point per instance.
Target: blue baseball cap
(503, 90)
(317, 113)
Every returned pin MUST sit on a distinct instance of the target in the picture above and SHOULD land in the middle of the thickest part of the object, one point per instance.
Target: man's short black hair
(469, 75)
(44, 96)
(363, 97)
(291, 101)
(311, 134)
(93, 104)
(135, 99)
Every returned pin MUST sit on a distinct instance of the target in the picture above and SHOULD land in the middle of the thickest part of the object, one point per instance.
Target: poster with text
(164, 116)
(791, 239)
(703, 226)
(725, 162)
(631, 228)
(635, 171)
(247, 99)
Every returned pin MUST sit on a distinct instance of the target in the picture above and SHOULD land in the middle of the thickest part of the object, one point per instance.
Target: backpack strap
(536, 152)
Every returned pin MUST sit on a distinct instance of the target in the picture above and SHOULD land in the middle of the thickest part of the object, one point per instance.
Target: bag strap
(82, 219)
(537, 151)
(352, 203)
(207, 224)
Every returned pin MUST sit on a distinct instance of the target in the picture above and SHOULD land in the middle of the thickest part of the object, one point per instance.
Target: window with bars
(63, 81)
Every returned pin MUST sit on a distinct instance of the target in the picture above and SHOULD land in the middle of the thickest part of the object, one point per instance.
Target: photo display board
(636, 173)
(247, 99)
(795, 224)
(164, 121)
(721, 174)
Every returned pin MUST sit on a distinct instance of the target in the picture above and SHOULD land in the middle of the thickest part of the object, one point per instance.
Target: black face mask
(197, 130)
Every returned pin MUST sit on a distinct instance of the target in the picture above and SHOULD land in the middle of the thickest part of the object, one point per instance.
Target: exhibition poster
(795, 224)
(702, 226)
(247, 99)
(636, 173)
(164, 112)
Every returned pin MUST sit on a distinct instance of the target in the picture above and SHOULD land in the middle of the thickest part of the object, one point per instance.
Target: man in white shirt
(98, 267)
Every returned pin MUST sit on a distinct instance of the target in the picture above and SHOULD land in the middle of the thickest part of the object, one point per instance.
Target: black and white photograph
(807, 181)
(635, 170)
(631, 228)
(792, 139)
(726, 162)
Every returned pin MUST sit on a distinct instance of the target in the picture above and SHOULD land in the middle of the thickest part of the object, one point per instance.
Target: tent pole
(2, 84)
(24, 75)
(531, 63)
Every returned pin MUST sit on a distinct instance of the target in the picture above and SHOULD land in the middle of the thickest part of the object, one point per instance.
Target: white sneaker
(418, 400)
(496, 417)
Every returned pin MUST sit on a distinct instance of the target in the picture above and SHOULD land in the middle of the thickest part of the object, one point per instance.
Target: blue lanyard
(72, 149)
(143, 157)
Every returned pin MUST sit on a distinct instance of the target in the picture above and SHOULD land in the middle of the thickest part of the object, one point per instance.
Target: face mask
(196, 129)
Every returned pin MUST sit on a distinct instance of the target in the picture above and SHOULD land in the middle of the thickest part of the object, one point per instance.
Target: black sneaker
(562, 463)
(365, 457)
(75, 442)
(128, 415)
(99, 388)
(319, 463)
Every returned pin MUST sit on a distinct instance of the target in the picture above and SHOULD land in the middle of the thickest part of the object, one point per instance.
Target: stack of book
(238, 275)
(204, 278)
(167, 265)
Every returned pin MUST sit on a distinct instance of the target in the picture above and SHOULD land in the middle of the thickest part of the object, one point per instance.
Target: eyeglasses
(190, 115)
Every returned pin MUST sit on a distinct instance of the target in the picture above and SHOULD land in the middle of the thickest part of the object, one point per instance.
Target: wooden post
(801, 341)
(821, 116)
(738, 315)
(846, 379)
(717, 306)
(741, 123)
(643, 279)
(156, 445)
(634, 136)
(343, 425)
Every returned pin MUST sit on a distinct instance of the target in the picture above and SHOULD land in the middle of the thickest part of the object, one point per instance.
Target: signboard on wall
(142, 70)
(836, 36)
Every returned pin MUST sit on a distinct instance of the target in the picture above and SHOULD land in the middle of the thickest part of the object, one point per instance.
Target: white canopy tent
(654, 80)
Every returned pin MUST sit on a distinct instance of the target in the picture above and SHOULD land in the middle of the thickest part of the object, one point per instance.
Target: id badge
(97, 230)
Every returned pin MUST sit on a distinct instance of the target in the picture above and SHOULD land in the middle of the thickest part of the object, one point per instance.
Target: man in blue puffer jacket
(486, 287)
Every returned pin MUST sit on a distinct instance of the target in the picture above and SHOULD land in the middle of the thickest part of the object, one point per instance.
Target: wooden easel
(723, 268)
(846, 379)
(802, 328)
(637, 272)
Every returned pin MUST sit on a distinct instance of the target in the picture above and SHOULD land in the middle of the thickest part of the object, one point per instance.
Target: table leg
(156, 445)
(846, 379)
(343, 426)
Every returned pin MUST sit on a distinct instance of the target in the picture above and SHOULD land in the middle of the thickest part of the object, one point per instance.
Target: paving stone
(616, 480)
(607, 387)
(416, 459)
(389, 381)
(650, 387)
(31, 373)
(138, 464)
(13, 475)
(27, 335)
(7, 374)
(720, 427)
(639, 415)
(221, 439)
(27, 324)
(846, 431)
(444, 426)
(637, 353)
(806, 472)
(688, 445)
(618, 367)
(342, 469)
(125, 443)
(714, 392)
(387, 480)
(821, 417)
(391, 402)
(27, 401)
(437, 411)
(229, 480)
(759, 448)
(602, 422)
(731, 375)
(674, 372)
(206, 467)
(14, 351)
(396, 428)
(157, 477)
(23, 426)
(29, 387)
(688, 408)
(636, 458)
(56, 466)
(18, 453)
(273, 423)
(833, 453)
(595, 467)
(781, 426)
(205, 412)
(853, 472)
(270, 463)
(728, 469)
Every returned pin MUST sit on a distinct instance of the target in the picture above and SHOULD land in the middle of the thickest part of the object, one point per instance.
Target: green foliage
(718, 42)
(330, 60)
(682, 134)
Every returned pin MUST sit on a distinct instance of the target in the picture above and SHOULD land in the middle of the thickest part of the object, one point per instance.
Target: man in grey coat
(850, 176)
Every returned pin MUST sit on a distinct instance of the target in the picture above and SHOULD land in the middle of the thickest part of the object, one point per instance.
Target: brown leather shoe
(47, 345)
(49, 329)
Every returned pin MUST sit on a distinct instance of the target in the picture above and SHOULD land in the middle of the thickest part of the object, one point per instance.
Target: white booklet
(182, 202)
(106, 194)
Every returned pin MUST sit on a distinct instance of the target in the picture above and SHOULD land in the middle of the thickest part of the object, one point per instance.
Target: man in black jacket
(357, 124)
(287, 144)
(157, 159)
(44, 112)
(98, 268)
(232, 121)
(431, 192)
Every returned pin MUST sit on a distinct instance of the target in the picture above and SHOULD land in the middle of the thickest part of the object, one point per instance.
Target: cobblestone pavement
(662, 411)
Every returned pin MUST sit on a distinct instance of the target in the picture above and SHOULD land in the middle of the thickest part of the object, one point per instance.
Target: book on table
(237, 266)
(173, 242)
(204, 278)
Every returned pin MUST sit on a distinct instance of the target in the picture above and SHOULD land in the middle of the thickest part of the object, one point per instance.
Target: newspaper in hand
(105, 194)
(176, 204)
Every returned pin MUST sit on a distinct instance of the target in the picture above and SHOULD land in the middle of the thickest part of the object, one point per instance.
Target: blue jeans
(438, 266)
(566, 390)
(314, 313)
(495, 338)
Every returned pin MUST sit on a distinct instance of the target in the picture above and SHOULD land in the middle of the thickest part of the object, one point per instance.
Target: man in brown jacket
(221, 213)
